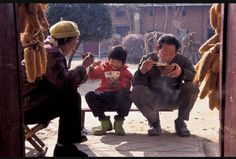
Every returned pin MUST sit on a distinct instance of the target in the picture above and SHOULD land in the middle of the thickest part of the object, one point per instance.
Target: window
(152, 12)
(183, 13)
(210, 33)
(122, 30)
(120, 13)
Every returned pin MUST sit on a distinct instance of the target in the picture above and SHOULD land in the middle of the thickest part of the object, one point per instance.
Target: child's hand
(114, 83)
(96, 63)
(93, 65)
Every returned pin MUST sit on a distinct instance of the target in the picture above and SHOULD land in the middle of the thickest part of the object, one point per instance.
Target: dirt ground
(203, 121)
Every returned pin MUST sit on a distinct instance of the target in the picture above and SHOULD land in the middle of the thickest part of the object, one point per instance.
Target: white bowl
(113, 75)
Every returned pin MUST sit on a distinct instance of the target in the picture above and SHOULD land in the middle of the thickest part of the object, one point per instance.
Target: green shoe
(105, 126)
(119, 130)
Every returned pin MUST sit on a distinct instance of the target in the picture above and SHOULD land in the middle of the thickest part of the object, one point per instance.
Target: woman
(55, 93)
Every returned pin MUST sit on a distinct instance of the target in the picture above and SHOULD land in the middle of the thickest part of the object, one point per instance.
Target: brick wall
(192, 19)
(196, 19)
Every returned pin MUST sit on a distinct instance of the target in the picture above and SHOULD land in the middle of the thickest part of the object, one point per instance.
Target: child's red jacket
(104, 85)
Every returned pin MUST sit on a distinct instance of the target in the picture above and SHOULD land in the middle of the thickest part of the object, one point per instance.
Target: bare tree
(166, 17)
(128, 16)
(134, 44)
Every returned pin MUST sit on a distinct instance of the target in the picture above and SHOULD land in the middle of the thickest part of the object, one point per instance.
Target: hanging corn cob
(33, 24)
(208, 66)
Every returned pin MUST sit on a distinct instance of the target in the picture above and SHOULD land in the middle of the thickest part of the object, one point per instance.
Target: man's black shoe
(84, 138)
(181, 128)
(68, 150)
(155, 129)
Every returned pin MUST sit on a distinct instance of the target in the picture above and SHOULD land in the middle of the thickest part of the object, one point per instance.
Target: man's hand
(176, 72)
(146, 65)
(88, 60)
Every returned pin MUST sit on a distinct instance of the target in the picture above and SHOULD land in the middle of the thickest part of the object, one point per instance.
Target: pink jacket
(104, 86)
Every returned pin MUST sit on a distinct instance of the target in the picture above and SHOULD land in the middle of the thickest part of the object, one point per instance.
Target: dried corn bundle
(30, 60)
(33, 24)
(209, 65)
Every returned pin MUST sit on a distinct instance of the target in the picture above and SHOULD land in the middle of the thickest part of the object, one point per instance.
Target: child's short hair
(168, 39)
(118, 53)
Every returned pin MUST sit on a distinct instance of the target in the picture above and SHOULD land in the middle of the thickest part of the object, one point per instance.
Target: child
(113, 92)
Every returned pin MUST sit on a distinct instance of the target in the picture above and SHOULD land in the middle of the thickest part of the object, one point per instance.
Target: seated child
(113, 92)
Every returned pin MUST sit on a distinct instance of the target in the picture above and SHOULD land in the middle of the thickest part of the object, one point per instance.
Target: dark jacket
(155, 81)
(58, 74)
(57, 79)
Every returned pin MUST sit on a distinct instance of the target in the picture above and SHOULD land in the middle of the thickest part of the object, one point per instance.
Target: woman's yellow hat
(64, 29)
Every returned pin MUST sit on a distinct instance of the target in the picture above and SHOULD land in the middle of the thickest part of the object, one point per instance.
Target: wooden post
(11, 131)
(228, 84)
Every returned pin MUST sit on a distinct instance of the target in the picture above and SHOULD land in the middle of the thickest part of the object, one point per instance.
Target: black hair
(118, 53)
(63, 41)
(169, 39)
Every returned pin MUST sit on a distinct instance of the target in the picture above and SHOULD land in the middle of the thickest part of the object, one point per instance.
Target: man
(55, 93)
(164, 81)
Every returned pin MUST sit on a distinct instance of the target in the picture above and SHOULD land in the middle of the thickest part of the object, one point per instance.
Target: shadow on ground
(142, 145)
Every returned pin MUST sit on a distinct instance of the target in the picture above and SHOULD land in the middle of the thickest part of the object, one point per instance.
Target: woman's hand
(88, 60)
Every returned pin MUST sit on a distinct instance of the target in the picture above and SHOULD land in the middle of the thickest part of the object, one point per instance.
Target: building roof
(157, 4)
